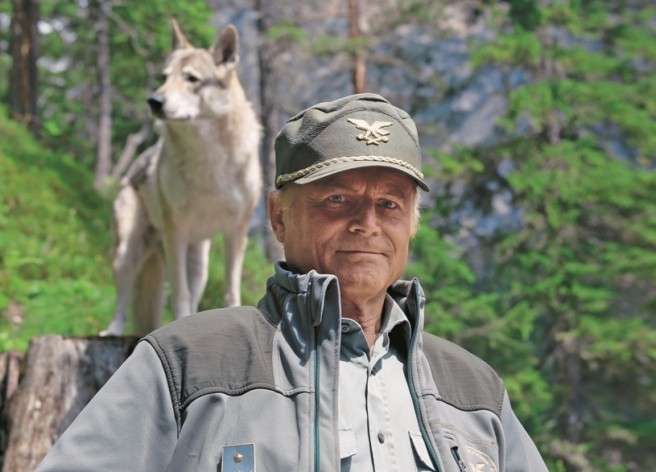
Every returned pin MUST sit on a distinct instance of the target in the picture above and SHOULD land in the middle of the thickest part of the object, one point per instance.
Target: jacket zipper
(415, 403)
(456, 455)
(316, 401)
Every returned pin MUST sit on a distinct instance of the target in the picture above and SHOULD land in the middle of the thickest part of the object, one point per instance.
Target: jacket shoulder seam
(233, 392)
(469, 408)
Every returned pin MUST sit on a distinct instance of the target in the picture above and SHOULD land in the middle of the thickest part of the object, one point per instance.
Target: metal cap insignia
(373, 134)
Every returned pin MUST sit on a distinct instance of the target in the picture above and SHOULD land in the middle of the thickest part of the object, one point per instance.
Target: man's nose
(156, 103)
(365, 219)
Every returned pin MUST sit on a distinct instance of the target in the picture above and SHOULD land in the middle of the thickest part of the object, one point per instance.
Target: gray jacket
(267, 377)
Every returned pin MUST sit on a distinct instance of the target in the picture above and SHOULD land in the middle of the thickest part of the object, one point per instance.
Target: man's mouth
(362, 251)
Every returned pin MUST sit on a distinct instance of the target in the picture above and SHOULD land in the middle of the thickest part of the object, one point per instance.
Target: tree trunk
(23, 75)
(270, 121)
(104, 146)
(359, 73)
(59, 377)
(10, 363)
(132, 143)
(548, 70)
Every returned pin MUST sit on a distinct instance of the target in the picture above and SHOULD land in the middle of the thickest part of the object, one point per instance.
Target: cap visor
(338, 167)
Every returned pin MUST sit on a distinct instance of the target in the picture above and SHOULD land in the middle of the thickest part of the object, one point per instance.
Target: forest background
(537, 248)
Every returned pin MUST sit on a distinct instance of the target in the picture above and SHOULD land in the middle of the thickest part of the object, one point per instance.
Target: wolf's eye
(192, 79)
(162, 77)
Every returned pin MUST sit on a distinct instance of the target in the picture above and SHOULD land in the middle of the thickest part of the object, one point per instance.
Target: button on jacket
(260, 385)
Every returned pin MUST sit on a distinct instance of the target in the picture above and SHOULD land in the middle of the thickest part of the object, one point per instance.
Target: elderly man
(331, 371)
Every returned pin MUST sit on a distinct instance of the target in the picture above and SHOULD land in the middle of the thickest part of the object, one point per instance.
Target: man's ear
(276, 214)
(226, 47)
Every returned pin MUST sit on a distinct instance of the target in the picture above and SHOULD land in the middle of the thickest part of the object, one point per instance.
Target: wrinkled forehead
(198, 60)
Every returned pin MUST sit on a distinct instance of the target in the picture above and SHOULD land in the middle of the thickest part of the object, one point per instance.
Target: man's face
(355, 224)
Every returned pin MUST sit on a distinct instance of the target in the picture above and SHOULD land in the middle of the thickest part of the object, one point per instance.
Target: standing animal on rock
(202, 177)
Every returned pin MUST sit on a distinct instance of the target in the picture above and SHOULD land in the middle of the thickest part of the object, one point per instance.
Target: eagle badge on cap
(373, 134)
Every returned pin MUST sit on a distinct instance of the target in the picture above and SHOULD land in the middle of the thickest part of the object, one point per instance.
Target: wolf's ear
(179, 40)
(226, 47)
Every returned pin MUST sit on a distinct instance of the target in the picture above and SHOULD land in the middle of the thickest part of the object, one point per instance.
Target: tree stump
(59, 377)
(10, 363)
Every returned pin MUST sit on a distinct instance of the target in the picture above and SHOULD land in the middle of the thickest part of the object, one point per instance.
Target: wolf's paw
(115, 328)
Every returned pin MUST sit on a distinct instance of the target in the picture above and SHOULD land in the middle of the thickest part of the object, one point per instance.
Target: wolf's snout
(156, 103)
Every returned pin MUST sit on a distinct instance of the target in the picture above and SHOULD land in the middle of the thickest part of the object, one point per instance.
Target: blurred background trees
(537, 248)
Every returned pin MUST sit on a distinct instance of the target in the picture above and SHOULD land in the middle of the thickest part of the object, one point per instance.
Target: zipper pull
(456, 455)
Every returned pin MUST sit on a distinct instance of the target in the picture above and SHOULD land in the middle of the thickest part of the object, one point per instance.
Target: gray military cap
(356, 131)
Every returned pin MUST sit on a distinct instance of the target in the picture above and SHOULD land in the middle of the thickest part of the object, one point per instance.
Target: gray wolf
(202, 177)
(332, 370)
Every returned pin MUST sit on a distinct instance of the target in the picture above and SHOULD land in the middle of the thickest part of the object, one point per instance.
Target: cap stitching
(284, 178)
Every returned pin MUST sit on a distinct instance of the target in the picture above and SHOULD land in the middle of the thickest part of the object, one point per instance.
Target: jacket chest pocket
(462, 454)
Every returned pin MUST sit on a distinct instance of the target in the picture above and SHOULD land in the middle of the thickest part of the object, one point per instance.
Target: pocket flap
(347, 445)
(421, 452)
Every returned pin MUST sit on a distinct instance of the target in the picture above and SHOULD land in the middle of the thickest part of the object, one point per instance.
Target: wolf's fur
(202, 177)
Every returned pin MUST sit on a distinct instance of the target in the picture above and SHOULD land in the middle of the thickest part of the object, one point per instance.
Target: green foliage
(55, 244)
(330, 45)
(525, 13)
(565, 305)
(53, 267)
(286, 31)
(520, 48)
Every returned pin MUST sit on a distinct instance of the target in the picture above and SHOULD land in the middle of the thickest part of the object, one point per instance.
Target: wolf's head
(198, 83)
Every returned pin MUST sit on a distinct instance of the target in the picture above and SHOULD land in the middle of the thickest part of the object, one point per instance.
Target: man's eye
(336, 199)
(389, 204)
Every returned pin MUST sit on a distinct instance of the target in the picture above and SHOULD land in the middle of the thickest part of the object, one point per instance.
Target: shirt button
(381, 437)
(345, 328)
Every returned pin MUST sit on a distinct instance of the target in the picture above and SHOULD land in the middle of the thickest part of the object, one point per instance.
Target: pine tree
(565, 308)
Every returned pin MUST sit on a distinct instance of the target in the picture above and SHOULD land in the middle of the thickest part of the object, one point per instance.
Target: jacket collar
(322, 299)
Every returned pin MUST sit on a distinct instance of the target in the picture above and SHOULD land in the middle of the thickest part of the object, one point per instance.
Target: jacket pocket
(422, 457)
(347, 444)
(467, 456)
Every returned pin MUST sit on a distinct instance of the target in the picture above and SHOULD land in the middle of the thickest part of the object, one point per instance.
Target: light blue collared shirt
(378, 425)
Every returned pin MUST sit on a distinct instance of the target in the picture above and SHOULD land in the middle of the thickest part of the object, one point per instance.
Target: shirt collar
(394, 320)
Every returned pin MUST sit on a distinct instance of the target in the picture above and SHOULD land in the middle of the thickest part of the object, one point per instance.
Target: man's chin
(362, 282)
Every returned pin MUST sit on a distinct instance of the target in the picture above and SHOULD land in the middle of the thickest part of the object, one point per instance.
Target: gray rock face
(422, 66)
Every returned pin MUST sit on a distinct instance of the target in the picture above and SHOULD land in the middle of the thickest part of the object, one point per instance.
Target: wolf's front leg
(197, 270)
(235, 247)
(175, 249)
